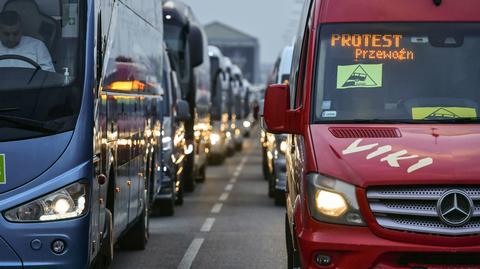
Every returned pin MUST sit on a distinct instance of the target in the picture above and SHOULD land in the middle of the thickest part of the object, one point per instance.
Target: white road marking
(229, 187)
(236, 173)
(216, 208)
(191, 253)
(224, 196)
(233, 180)
(207, 225)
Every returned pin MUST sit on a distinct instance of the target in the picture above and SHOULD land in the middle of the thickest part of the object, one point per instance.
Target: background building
(243, 49)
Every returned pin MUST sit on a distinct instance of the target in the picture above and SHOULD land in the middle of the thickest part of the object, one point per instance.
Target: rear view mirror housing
(196, 45)
(183, 111)
(279, 119)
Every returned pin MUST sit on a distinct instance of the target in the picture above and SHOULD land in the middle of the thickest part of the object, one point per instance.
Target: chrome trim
(414, 209)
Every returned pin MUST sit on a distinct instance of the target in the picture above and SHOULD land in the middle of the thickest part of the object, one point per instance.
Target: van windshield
(412, 72)
(40, 89)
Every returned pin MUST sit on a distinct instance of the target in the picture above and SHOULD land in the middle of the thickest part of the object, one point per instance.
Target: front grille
(414, 209)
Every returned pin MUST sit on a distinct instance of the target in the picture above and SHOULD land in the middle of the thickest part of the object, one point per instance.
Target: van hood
(421, 155)
(25, 160)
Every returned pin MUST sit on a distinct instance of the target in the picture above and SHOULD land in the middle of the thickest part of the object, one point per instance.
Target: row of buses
(109, 111)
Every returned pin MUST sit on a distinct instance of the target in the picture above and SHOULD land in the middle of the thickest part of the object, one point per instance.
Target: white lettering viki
(392, 159)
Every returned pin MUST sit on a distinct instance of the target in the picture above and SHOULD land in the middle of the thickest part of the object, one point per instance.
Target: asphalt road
(228, 222)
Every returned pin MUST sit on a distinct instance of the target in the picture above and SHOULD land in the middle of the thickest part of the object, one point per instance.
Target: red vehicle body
(439, 158)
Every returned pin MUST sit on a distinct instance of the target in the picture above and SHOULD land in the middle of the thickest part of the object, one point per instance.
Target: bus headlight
(214, 139)
(247, 124)
(333, 201)
(67, 203)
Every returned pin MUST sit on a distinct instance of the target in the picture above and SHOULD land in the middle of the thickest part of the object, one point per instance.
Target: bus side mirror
(183, 111)
(195, 40)
(279, 119)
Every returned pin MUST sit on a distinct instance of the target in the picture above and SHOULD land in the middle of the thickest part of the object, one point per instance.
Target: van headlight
(332, 200)
(67, 203)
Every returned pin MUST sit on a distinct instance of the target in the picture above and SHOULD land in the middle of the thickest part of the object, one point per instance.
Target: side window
(297, 52)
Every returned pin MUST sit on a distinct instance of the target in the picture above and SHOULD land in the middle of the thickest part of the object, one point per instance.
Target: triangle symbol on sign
(442, 113)
(360, 78)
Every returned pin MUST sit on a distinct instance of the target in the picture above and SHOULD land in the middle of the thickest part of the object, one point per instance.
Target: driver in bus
(14, 43)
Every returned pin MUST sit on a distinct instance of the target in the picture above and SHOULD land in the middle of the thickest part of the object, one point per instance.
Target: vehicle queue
(126, 116)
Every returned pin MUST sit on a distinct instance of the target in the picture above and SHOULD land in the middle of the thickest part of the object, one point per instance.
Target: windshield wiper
(29, 124)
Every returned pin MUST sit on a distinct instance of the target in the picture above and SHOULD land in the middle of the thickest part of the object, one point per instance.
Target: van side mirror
(183, 111)
(195, 43)
(279, 119)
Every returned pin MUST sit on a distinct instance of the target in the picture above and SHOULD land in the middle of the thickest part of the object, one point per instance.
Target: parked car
(381, 114)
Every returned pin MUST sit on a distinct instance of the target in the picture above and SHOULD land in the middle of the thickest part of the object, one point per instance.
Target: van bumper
(357, 247)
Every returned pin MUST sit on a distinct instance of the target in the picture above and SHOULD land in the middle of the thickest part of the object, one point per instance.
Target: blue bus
(80, 107)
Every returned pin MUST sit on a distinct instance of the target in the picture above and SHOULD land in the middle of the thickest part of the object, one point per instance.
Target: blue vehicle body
(111, 145)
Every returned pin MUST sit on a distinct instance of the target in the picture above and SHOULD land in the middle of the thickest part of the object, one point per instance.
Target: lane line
(224, 196)
(233, 180)
(236, 173)
(229, 187)
(191, 253)
(217, 208)
(207, 225)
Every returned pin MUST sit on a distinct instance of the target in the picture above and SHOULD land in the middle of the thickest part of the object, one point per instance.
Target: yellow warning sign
(428, 113)
(359, 76)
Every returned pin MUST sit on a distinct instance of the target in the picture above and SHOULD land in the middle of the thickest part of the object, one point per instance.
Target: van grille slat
(365, 132)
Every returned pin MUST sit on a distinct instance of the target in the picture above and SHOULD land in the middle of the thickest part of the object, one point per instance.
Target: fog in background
(272, 22)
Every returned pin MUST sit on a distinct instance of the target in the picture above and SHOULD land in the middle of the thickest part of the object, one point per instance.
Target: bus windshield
(40, 67)
(412, 72)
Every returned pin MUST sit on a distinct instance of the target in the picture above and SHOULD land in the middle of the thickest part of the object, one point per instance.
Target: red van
(383, 156)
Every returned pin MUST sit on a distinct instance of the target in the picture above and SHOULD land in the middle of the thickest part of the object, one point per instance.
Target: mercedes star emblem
(455, 208)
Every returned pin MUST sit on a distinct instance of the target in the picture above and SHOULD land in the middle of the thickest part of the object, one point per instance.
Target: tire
(179, 195)
(202, 175)
(216, 159)
(271, 186)
(137, 237)
(105, 256)
(166, 207)
(293, 256)
(239, 147)
(279, 197)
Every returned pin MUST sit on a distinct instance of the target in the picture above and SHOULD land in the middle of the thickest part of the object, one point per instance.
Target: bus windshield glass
(413, 73)
(40, 67)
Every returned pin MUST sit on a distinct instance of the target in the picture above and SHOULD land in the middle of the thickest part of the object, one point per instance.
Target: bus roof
(336, 11)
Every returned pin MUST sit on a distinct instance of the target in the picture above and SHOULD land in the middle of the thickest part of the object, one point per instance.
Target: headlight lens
(247, 124)
(214, 138)
(333, 201)
(67, 203)
(283, 147)
(166, 143)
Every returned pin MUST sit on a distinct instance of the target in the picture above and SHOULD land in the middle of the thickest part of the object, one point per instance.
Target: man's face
(10, 36)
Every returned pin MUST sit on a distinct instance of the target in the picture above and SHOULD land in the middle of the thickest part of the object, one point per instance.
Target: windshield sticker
(432, 113)
(373, 46)
(326, 105)
(329, 114)
(3, 171)
(392, 158)
(359, 76)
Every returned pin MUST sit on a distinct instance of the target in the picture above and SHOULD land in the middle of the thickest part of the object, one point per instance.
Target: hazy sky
(273, 22)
